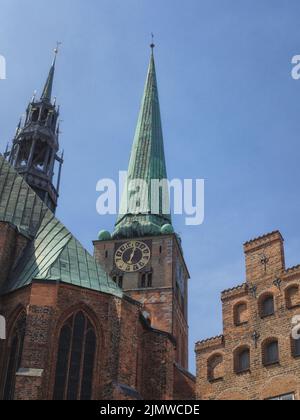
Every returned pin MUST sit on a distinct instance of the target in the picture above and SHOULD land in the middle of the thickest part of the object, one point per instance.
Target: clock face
(132, 256)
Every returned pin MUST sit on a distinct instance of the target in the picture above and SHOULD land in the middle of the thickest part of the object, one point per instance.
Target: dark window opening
(149, 280)
(45, 114)
(75, 360)
(24, 153)
(120, 282)
(271, 353)
(146, 280)
(41, 156)
(267, 307)
(242, 360)
(296, 347)
(35, 115)
(15, 351)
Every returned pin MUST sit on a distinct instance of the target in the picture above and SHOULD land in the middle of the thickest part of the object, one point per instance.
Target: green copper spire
(47, 92)
(147, 163)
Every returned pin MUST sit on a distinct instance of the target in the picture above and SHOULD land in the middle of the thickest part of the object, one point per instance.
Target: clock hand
(132, 255)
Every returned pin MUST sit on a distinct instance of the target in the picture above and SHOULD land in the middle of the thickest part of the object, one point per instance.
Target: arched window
(215, 368)
(267, 306)
(75, 359)
(45, 114)
(14, 351)
(292, 297)
(242, 360)
(241, 314)
(35, 115)
(146, 280)
(270, 352)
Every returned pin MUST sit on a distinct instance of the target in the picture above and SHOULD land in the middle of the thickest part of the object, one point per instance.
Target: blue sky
(230, 113)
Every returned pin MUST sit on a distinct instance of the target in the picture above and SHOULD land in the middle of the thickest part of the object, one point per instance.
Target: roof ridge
(207, 340)
(232, 289)
(262, 237)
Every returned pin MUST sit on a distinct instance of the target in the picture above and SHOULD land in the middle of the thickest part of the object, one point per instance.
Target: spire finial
(56, 51)
(152, 45)
(47, 92)
(33, 96)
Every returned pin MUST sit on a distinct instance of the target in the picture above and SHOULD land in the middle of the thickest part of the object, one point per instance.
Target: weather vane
(152, 43)
(56, 49)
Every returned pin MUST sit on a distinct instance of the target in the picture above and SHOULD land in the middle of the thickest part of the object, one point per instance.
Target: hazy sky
(230, 113)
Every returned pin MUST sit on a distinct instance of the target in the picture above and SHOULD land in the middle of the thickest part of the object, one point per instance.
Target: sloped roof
(19, 204)
(53, 254)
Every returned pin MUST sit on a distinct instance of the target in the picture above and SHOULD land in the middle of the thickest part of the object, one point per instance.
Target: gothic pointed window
(35, 115)
(14, 351)
(75, 359)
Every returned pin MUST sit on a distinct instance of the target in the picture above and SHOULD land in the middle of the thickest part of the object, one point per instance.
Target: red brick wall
(131, 357)
(158, 360)
(184, 385)
(260, 382)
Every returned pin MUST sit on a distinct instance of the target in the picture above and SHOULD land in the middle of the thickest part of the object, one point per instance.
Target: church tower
(144, 255)
(35, 146)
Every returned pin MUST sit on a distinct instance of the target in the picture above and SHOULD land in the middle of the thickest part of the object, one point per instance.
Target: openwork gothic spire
(35, 147)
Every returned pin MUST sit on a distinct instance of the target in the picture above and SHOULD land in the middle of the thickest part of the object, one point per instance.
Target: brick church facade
(114, 326)
(258, 356)
(81, 327)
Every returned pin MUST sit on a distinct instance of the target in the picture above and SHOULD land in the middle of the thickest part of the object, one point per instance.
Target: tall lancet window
(75, 359)
(14, 351)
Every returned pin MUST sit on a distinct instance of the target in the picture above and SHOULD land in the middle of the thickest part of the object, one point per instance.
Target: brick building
(113, 326)
(257, 357)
